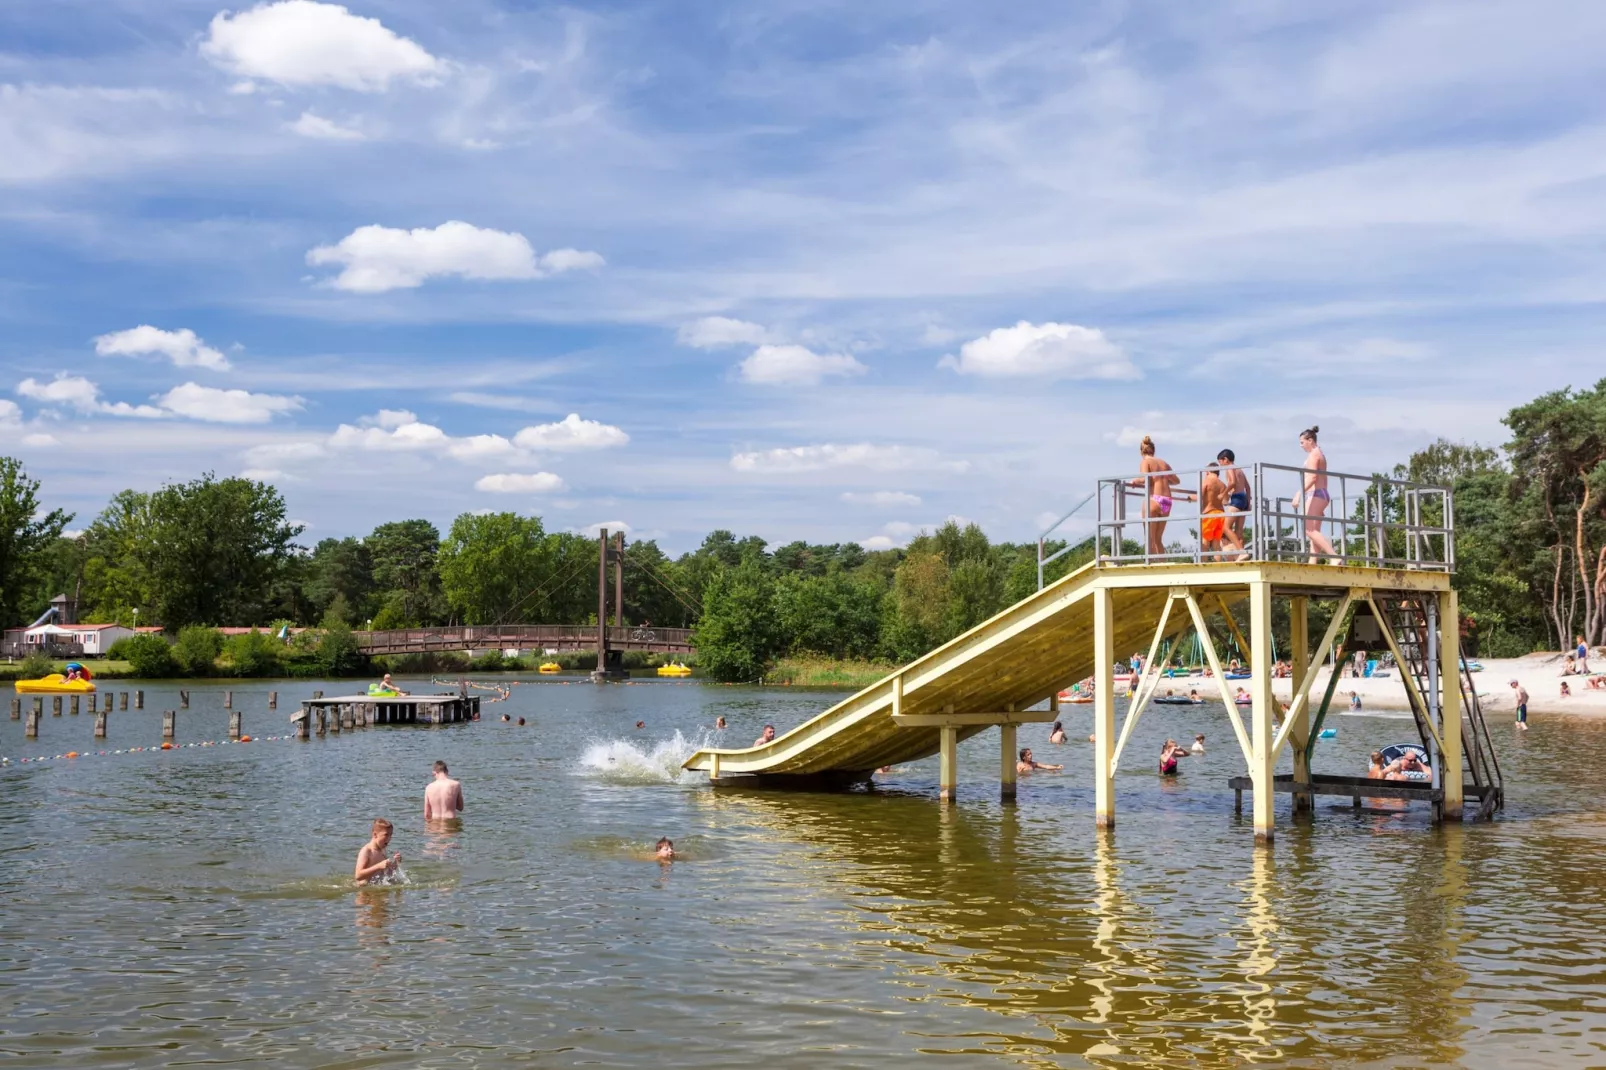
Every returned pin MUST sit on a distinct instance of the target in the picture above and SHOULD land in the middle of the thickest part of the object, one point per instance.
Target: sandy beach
(1539, 673)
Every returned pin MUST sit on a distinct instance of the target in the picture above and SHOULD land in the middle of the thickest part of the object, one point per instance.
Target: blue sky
(808, 270)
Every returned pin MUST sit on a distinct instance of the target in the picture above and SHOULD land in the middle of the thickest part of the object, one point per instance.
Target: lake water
(194, 907)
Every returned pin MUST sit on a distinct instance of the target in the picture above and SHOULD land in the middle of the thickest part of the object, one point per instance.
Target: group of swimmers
(1223, 498)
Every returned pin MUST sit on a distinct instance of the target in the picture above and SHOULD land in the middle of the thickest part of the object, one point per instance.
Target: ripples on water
(164, 909)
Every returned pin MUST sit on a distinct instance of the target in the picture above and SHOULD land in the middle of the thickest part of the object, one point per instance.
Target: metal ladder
(1414, 631)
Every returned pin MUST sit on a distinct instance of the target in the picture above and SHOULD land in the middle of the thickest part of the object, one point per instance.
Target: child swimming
(664, 850)
(371, 861)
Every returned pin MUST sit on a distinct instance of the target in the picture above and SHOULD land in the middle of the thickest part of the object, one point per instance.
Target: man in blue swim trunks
(1522, 705)
(1237, 502)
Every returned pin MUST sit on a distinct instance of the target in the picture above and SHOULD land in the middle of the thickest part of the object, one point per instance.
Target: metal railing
(1364, 520)
(522, 636)
(1042, 540)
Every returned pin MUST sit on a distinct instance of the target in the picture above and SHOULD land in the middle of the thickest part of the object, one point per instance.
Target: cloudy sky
(819, 270)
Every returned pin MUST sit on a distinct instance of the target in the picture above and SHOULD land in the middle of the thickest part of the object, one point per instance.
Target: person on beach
(1354, 700)
(389, 685)
(1198, 744)
(1237, 501)
(371, 861)
(1522, 705)
(1212, 513)
(1566, 690)
(1569, 667)
(1057, 733)
(1169, 755)
(664, 849)
(443, 798)
(1028, 764)
(767, 736)
(1583, 656)
(1156, 493)
(1314, 499)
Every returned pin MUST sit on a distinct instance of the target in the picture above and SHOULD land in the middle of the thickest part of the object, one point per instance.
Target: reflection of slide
(1017, 659)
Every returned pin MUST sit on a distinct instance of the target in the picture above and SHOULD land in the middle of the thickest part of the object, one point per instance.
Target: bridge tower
(610, 662)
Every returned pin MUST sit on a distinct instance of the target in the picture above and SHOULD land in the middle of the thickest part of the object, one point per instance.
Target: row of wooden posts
(169, 717)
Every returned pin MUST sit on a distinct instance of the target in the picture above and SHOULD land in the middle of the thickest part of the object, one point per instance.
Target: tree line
(1531, 563)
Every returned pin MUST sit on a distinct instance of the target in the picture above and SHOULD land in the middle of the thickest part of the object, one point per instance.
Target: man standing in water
(768, 734)
(444, 797)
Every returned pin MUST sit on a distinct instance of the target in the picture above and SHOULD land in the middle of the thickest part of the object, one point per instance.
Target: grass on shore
(101, 668)
(827, 672)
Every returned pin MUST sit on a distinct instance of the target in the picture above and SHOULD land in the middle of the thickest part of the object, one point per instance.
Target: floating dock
(321, 715)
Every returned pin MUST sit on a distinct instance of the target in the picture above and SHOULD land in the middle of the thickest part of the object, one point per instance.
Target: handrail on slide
(1042, 561)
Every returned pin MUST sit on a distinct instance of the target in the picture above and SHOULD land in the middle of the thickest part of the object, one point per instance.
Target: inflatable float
(55, 683)
(381, 691)
(549, 667)
(673, 670)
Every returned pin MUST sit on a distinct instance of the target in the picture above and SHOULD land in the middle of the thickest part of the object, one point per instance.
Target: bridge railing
(1368, 520)
(523, 636)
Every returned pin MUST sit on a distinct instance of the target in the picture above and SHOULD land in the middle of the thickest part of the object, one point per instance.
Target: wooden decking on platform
(361, 711)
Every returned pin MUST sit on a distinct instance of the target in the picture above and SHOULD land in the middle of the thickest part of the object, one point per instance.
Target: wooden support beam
(273, 700)
(1007, 756)
(1263, 760)
(100, 725)
(30, 727)
(948, 764)
(139, 700)
(1147, 685)
(122, 700)
(1301, 698)
(16, 708)
(1403, 667)
(1298, 720)
(169, 724)
(1450, 749)
(183, 700)
(234, 725)
(55, 705)
(1104, 707)
(72, 705)
(304, 723)
(1227, 699)
(965, 720)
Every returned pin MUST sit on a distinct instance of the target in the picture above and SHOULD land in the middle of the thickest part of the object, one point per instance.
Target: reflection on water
(869, 928)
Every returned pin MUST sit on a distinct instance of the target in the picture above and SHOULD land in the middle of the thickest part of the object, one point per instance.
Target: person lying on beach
(371, 861)
(664, 849)
(767, 736)
(1057, 733)
(1028, 764)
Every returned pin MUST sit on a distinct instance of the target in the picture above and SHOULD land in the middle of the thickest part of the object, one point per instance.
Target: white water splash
(643, 761)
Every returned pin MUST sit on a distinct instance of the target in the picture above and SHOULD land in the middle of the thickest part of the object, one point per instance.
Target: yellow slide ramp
(1024, 655)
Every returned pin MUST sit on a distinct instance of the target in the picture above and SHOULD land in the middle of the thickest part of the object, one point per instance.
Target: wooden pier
(363, 711)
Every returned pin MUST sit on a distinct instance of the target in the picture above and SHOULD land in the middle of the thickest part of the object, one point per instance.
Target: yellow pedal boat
(55, 683)
(673, 670)
(550, 667)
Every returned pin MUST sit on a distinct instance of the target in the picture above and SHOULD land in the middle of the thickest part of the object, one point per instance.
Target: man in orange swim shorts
(1212, 512)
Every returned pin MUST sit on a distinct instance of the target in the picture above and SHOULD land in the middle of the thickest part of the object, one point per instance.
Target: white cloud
(407, 436)
(935, 335)
(521, 483)
(714, 332)
(1043, 351)
(269, 455)
(885, 499)
(374, 259)
(316, 126)
(612, 526)
(877, 542)
(570, 434)
(302, 43)
(182, 347)
(481, 446)
(389, 419)
(796, 366)
(858, 455)
(40, 440)
(64, 389)
(226, 406)
(264, 475)
(1169, 430)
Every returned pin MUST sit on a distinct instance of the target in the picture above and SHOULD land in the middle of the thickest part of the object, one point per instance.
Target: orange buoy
(245, 739)
(167, 746)
(72, 754)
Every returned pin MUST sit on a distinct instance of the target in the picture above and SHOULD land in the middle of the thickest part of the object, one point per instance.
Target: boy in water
(664, 850)
(1522, 705)
(371, 860)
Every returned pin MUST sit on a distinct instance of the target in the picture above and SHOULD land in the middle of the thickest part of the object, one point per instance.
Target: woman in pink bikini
(1157, 494)
(1314, 501)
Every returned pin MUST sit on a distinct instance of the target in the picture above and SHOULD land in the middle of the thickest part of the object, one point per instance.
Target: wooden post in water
(323, 721)
(16, 709)
(1006, 762)
(304, 723)
(122, 700)
(72, 705)
(100, 725)
(1103, 708)
(55, 705)
(183, 700)
(273, 700)
(228, 700)
(38, 706)
(31, 726)
(334, 720)
(947, 763)
(169, 724)
(1263, 762)
(234, 725)
(1302, 666)
(139, 700)
(92, 702)
(317, 694)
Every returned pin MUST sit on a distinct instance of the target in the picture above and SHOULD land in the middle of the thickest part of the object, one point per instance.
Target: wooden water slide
(988, 676)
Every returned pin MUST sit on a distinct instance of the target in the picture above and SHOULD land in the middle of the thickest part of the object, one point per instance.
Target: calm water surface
(194, 907)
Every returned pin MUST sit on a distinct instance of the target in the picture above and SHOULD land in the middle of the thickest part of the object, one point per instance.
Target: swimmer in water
(506, 718)
(520, 722)
(641, 724)
(1057, 733)
(444, 796)
(1028, 764)
(767, 736)
(371, 861)
(664, 850)
(719, 722)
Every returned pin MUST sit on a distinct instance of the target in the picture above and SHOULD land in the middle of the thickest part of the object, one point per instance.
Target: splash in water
(642, 761)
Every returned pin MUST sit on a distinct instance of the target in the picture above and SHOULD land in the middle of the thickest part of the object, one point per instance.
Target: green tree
(150, 656)
(340, 572)
(197, 649)
(736, 636)
(210, 551)
(831, 614)
(489, 563)
(403, 556)
(337, 650)
(254, 654)
(26, 538)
